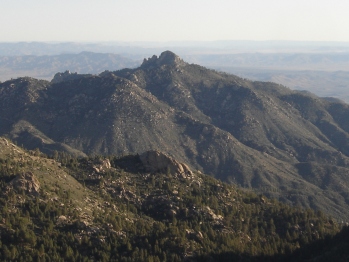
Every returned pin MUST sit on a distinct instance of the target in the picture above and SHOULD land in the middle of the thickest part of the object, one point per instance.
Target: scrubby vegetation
(140, 216)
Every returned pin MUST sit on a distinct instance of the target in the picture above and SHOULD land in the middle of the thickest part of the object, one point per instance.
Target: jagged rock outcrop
(194, 235)
(166, 58)
(26, 182)
(208, 213)
(161, 206)
(66, 76)
(5, 141)
(102, 165)
(155, 161)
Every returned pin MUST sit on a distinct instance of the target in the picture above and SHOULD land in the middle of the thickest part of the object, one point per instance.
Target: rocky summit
(154, 161)
(287, 144)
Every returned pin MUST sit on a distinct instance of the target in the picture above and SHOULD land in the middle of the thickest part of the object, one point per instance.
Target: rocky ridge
(289, 145)
(155, 161)
(166, 58)
(26, 182)
(67, 76)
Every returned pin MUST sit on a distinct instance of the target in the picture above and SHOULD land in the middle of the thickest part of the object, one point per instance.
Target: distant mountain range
(325, 74)
(287, 144)
(45, 67)
(321, 68)
(322, 83)
(180, 47)
(276, 61)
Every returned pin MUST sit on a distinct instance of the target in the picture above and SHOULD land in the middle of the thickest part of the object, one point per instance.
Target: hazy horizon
(173, 21)
(143, 49)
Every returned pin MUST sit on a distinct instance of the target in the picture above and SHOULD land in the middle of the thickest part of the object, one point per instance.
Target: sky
(175, 20)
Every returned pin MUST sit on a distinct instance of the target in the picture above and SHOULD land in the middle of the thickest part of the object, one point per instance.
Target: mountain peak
(165, 58)
(66, 76)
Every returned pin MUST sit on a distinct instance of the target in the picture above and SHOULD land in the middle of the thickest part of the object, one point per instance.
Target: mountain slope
(120, 209)
(287, 144)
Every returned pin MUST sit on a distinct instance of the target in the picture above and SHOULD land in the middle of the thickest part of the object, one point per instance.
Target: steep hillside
(147, 207)
(289, 145)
